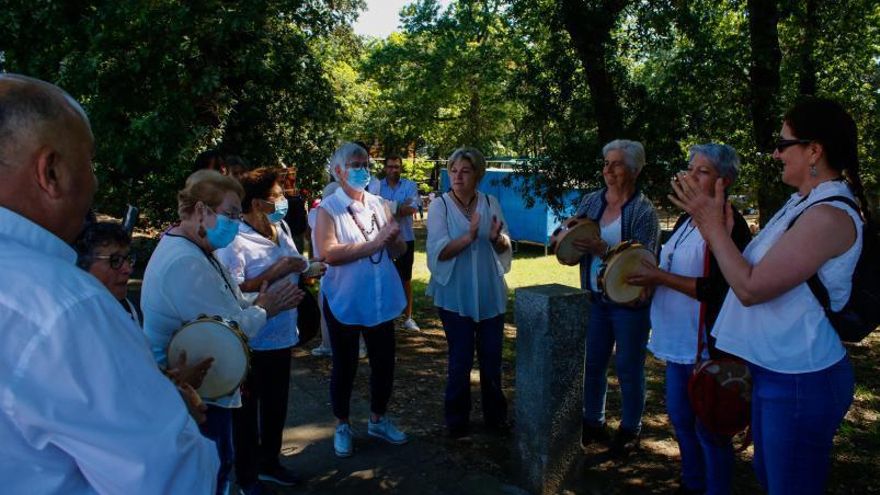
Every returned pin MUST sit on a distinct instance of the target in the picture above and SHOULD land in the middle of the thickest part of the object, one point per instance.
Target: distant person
(85, 409)
(357, 236)
(210, 160)
(235, 166)
(403, 195)
(469, 251)
(296, 215)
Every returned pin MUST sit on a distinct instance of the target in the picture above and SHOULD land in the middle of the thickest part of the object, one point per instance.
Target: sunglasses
(782, 144)
(116, 260)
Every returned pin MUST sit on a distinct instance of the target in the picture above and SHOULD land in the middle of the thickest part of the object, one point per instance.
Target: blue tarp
(534, 224)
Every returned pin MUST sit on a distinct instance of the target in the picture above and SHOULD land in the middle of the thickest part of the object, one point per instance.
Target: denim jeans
(462, 335)
(345, 342)
(218, 427)
(794, 419)
(611, 323)
(706, 458)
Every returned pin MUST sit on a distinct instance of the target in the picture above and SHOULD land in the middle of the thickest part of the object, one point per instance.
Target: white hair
(341, 156)
(633, 153)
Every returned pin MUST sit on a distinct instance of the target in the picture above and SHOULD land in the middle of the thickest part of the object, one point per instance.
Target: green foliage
(165, 80)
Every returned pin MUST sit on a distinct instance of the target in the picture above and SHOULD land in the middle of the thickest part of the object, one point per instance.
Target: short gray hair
(633, 153)
(341, 156)
(473, 156)
(722, 156)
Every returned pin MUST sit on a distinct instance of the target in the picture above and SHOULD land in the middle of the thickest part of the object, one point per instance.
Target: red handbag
(720, 390)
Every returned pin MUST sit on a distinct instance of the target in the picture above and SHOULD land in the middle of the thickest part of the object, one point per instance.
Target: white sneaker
(342, 441)
(386, 430)
(322, 351)
(410, 324)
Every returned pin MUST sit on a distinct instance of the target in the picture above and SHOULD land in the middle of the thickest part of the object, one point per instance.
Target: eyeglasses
(781, 143)
(357, 165)
(116, 260)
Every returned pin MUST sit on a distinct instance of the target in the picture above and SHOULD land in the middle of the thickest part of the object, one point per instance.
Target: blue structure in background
(534, 224)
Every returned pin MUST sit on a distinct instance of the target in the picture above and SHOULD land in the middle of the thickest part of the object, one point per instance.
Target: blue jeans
(462, 335)
(794, 419)
(706, 458)
(218, 427)
(611, 323)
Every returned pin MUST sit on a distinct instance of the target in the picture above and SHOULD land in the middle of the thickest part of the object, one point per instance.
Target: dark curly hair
(258, 184)
(95, 235)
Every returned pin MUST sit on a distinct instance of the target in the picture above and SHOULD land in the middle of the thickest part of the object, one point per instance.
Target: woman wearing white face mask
(184, 280)
(264, 251)
(358, 237)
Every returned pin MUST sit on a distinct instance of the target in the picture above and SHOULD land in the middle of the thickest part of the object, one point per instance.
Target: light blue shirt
(83, 407)
(406, 194)
(251, 254)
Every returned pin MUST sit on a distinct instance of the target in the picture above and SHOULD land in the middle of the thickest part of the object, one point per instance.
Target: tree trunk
(589, 24)
(764, 87)
(807, 82)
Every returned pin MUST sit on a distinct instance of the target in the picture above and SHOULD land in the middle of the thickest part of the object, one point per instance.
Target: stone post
(551, 324)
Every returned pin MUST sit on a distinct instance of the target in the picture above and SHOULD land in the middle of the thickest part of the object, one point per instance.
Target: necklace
(690, 228)
(374, 224)
(466, 208)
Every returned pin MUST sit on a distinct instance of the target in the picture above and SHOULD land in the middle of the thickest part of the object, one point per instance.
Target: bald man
(83, 407)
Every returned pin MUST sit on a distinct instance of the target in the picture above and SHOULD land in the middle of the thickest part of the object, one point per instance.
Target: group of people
(718, 293)
(92, 402)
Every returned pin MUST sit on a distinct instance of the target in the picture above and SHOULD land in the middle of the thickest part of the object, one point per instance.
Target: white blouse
(366, 291)
(611, 234)
(675, 316)
(790, 333)
(247, 257)
(181, 282)
(472, 282)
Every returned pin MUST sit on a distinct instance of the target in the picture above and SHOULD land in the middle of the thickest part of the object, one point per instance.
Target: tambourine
(573, 229)
(619, 263)
(221, 339)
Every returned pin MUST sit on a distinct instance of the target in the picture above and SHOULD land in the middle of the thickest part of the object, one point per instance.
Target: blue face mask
(358, 178)
(222, 233)
(280, 211)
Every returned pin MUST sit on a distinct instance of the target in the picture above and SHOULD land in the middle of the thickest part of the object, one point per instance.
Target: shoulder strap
(816, 286)
(285, 228)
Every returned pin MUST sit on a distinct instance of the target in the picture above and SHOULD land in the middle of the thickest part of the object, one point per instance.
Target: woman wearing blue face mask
(358, 237)
(183, 280)
(264, 251)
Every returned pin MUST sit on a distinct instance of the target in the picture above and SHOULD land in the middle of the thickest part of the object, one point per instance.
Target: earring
(813, 171)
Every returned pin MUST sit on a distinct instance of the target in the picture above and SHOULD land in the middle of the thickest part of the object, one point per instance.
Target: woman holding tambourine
(623, 213)
(184, 280)
(689, 287)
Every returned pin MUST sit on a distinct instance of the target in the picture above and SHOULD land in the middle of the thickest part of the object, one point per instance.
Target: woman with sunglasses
(802, 379)
(184, 280)
(358, 237)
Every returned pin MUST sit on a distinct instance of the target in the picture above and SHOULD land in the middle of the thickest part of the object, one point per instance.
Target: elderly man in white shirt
(83, 407)
(403, 195)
